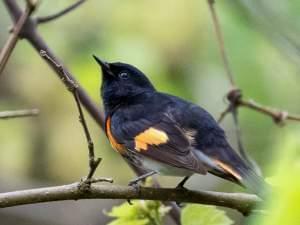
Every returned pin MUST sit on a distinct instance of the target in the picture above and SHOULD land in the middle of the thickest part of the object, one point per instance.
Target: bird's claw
(135, 184)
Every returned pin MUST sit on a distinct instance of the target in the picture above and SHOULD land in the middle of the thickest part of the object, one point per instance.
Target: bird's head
(121, 82)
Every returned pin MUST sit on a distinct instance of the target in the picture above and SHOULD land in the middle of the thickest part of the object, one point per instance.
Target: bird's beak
(104, 65)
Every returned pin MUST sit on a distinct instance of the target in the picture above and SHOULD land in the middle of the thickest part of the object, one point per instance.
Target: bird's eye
(123, 75)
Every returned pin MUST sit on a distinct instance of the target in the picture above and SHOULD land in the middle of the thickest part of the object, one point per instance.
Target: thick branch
(18, 113)
(244, 203)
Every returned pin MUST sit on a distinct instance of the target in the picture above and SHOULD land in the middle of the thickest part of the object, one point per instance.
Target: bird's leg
(135, 181)
(181, 186)
(181, 183)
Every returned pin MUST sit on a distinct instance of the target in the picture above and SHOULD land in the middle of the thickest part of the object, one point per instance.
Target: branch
(30, 33)
(57, 15)
(14, 36)
(236, 100)
(18, 113)
(279, 117)
(244, 203)
(73, 88)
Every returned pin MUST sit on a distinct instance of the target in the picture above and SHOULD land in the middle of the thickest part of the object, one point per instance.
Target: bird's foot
(135, 183)
(180, 186)
(85, 183)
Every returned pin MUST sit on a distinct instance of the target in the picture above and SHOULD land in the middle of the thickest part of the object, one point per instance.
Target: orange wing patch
(116, 146)
(228, 169)
(151, 136)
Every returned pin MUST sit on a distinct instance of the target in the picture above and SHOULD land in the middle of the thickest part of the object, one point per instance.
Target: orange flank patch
(151, 136)
(116, 146)
(228, 169)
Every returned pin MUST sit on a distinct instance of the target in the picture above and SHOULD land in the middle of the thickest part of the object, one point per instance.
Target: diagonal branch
(18, 113)
(14, 36)
(244, 203)
(73, 88)
(59, 14)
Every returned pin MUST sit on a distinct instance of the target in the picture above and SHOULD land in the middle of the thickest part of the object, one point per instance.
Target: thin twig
(93, 163)
(59, 14)
(244, 203)
(233, 97)
(18, 113)
(279, 117)
(238, 132)
(224, 113)
(220, 41)
(14, 36)
(70, 84)
(73, 88)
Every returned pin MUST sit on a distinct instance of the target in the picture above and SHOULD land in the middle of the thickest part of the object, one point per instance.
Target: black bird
(166, 134)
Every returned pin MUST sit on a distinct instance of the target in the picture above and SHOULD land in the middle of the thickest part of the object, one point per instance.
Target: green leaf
(141, 212)
(283, 205)
(124, 211)
(204, 215)
(128, 221)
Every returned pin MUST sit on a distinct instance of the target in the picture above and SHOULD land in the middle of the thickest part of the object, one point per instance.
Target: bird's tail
(254, 182)
(242, 174)
(231, 166)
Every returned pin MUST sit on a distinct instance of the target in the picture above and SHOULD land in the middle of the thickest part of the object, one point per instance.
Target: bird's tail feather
(253, 182)
(242, 175)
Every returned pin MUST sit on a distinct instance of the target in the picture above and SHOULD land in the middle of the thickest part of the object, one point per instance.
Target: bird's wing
(160, 140)
(210, 141)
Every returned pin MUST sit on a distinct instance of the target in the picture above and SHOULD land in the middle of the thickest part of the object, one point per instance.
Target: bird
(165, 134)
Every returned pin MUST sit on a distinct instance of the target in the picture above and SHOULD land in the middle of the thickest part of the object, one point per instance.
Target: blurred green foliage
(203, 215)
(283, 206)
(141, 212)
(152, 213)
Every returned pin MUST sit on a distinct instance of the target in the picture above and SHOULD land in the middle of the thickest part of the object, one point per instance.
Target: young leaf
(139, 213)
(204, 215)
(124, 211)
(128, 221)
